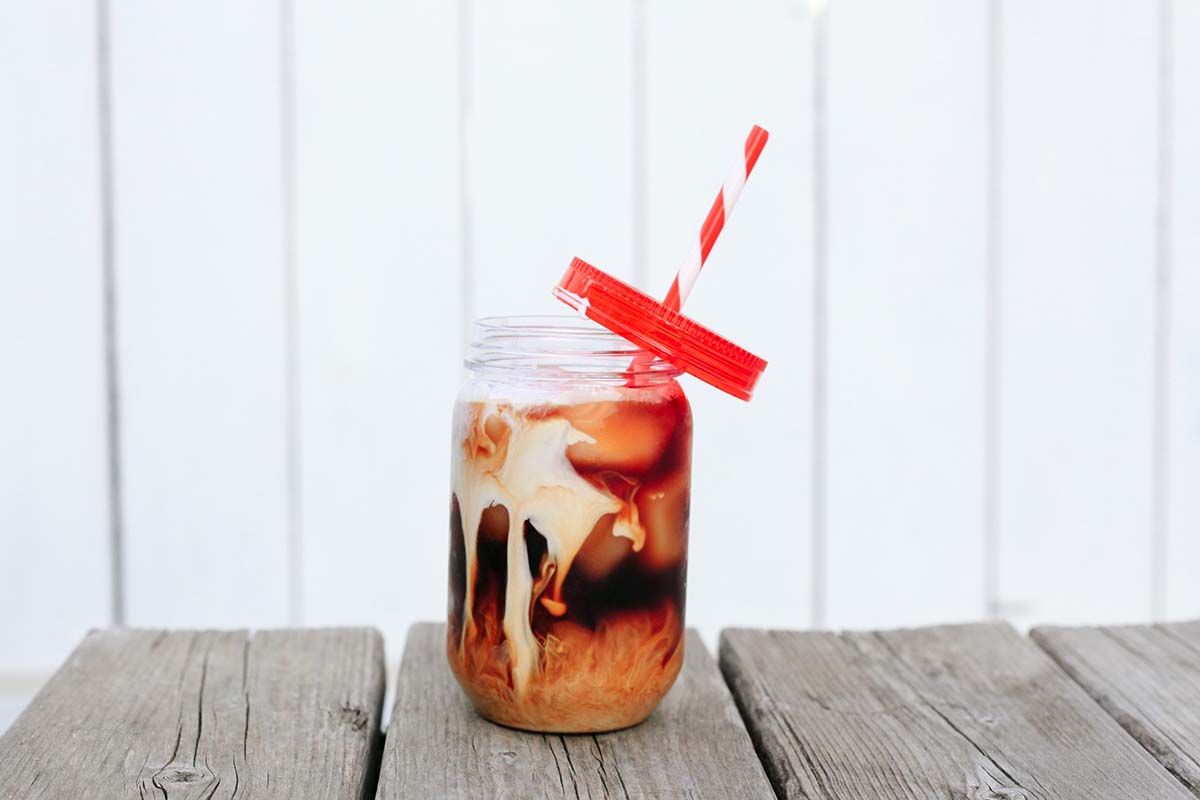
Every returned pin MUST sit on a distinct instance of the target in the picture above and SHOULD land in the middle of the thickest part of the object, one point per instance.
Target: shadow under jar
(568, 526)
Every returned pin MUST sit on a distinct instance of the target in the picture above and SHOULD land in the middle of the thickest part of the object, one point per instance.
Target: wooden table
(974, 712)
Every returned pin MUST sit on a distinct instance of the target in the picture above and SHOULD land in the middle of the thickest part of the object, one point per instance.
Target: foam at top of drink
(528, 395)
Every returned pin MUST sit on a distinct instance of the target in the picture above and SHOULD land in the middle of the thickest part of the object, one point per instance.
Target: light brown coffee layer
(586, 682)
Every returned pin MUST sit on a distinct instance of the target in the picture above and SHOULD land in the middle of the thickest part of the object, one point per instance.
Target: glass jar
(571, 472)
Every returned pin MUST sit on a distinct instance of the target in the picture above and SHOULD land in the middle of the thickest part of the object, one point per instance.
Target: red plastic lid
(659, 329)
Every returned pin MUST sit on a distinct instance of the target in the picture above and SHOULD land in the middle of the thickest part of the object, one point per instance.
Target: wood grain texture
(693, 746)
(141, 713)
(973, 711)
(1147, 678)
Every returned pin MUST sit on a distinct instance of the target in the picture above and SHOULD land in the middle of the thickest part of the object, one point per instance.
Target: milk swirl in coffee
(569, 519)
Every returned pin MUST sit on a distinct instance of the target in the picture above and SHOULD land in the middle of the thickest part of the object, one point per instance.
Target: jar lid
(659, 329)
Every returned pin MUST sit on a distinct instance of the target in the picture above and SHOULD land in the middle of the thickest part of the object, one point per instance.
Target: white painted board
(907, 127)
(200, 269)
(1183, 331)
(54, 512)
(550, 146)
(714, 70)
(1076, 407)
(378, 268)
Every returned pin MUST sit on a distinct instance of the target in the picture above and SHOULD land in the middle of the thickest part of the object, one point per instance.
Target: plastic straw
(714, 223)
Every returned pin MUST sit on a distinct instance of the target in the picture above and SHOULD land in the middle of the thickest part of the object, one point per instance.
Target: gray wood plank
(136, 713)
(972, 711)
(694, 745)
(1147, 678)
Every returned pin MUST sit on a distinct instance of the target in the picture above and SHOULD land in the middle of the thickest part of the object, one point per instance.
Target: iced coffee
(568, 529)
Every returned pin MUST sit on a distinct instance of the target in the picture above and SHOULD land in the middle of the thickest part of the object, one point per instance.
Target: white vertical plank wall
(378, 268)
(309, 206)
(550, 148)
(1182, 433)
(713, 70)
(200, 280)
(54, 512)
(1078, 206)
(907, 127)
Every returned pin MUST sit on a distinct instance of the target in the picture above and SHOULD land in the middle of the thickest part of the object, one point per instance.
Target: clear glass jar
(568, 526)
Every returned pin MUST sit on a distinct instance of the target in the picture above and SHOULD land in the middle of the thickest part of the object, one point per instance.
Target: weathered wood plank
(973, 711)
(139, 713)
(693, 746)
(1147, 678)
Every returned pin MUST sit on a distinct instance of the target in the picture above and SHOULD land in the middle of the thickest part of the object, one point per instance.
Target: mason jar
(571, 471)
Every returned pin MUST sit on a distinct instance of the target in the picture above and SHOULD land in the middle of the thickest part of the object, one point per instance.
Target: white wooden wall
(241, 244)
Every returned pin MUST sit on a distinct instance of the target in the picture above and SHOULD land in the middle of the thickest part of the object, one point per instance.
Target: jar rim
(568, 325)
(558, 349)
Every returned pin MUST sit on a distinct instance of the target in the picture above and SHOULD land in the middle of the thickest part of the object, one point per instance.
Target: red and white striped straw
(714, 223)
